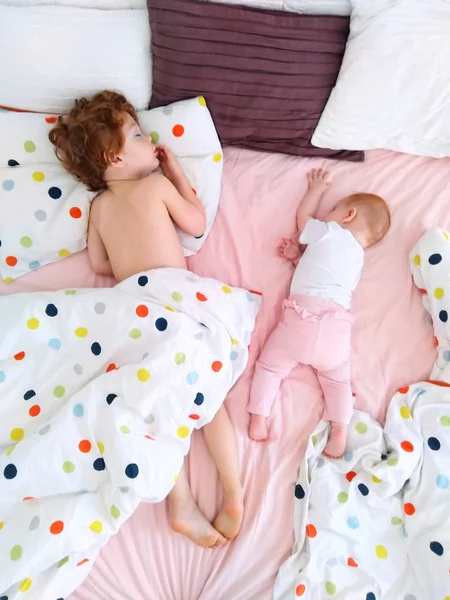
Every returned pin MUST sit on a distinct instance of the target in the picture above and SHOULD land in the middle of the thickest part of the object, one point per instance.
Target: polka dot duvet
(100, 391)
(374, 524)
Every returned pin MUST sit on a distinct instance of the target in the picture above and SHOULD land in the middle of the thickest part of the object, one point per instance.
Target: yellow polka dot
(143, 375)
(101, 447)
(217, 157)
(17, 434)
(176, 478)
(381, 551)
(1, 525)
(96, 526)
(25, 585)
(226, 289)
(234, 342)
(417, 260)
(183, 431)
(81, 332)
(445, 234)
(439, 293)
(404, 412)
(38, 176)
(375, 479)
(33, 323)
(64, 252)
(8, 280)
(10, 451)
(169, 308)
(201, 101)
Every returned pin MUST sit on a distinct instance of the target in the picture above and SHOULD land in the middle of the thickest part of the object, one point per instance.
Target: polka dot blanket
(374, 524)
(100, 391)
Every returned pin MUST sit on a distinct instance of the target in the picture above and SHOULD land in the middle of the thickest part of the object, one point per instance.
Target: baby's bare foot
(189, 521)
(229, 519)
(337, 441)
(258, 430)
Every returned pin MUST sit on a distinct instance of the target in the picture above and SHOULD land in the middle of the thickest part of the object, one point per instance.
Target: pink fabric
(311, 332)
(392, 342)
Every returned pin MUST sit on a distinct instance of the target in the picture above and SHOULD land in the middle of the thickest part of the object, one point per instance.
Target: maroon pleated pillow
(266, 75)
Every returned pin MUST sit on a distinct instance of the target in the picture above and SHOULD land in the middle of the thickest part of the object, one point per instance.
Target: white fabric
(51, 55)
(314, 7)
(89, 425)
(393, 88)
(44, 211)
(331, 265)
(103, 4)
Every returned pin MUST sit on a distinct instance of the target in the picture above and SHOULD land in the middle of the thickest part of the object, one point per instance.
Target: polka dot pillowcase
(44, 211)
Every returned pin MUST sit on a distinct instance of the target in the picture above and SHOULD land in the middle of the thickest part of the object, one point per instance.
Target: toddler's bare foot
(229, 519)
(337, 441)
(189, 521)
(258, 430)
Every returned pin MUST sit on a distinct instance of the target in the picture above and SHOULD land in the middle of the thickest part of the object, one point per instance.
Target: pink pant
(311, 332)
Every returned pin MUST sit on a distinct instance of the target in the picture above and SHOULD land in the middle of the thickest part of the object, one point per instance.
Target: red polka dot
(195, 417)
(404, 390)
(111, 367)
(50, 119)
(178, 130)
(300, 590)
(407, 446)
(19, 356)
(351, 562)
(11, 261)
(75, 212)
(142, 311)
(201, 297)
(216, 366)
(422, 291)
(34, 410)
(84, 446)
(436, 341)
(255, 292)
(311, 531)
(56, 527)
(409, 508)
(82, 562)
(439, 383)
(350, 475)
(149, 437)
(27, 498)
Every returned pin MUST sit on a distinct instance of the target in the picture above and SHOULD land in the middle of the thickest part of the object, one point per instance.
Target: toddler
(315, 328)
(143, 195)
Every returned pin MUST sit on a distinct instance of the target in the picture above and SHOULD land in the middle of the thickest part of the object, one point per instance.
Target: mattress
(393, 346)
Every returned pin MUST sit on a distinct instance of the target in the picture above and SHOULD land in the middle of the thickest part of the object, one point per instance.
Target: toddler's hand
(318, 180)
(289, 248)
(169, 164)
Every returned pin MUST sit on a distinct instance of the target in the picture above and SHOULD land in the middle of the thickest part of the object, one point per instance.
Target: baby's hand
(318, 180)
(169, 164)
(289, 248)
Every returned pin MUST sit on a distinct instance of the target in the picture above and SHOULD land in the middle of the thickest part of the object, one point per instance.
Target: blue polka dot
(233, 355)
(348, 456)
(161, 324)
(96, 349)
(54, 343)
(34, 264)
(199, 399)
(250, 297)
(192, 378)
(143, 280)
(55, 193)
(110, 398)
(132, 470)
(8, 185)
(437, 548)
(2, 376)
(434, 443)
(12, 163)
(99, 464)
(353, 522)
(435, 259)
(404, 532)
(442, 482)
(78, 410)
(28, 395)
(299, 492)
(3, 597)
(446, 355)
(51, 310)
(371, 596)
(443, 316)
(384, 457)
(10, 471)
(83, 491)
(363, 489)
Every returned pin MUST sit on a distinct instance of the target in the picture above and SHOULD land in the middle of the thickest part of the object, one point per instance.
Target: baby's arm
(317, 185)
(98, 257)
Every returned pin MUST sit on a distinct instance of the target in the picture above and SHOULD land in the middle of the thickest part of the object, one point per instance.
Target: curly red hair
(90, 136)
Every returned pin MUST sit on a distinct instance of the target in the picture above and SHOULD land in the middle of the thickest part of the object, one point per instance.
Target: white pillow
(312, 7)
(393, 88)
(44, 211)
(51, 55)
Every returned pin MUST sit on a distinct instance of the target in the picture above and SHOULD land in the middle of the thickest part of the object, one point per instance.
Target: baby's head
(100, 141)
(367, 216)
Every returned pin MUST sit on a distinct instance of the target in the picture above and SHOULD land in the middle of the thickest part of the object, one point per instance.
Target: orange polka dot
(351, 562)
(201, 297)
(56, 527)
(255, 292)
(50, 119)
(142, 311)
(439, 383)
(19, 356)
(82, 562)
(195, 417)
(111, 367)
(404, 390)
(407, 446)
(216, 366)
(11, 261)
(422, 291)
(311, 531)
(178, 130)
(350, 475)
(409, 508)
(300, 590)
(84, 446)
(75, 212)
(436, 341)
(27, 498)
(149, 437)
(34, 410)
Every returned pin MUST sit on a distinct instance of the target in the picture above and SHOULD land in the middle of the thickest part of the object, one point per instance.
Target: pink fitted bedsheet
(393, 345)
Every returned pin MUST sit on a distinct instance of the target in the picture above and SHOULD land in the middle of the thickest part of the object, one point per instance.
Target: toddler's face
(139, 153)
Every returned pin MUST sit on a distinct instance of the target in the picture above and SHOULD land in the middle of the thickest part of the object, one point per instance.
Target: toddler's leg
(221, 441)
(185, 516)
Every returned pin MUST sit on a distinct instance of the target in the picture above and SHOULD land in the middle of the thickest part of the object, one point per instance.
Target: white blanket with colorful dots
(99, 393)
(374, 525)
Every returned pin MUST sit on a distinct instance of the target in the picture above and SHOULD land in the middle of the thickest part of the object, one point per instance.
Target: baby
(315, 328)
(143, 195)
